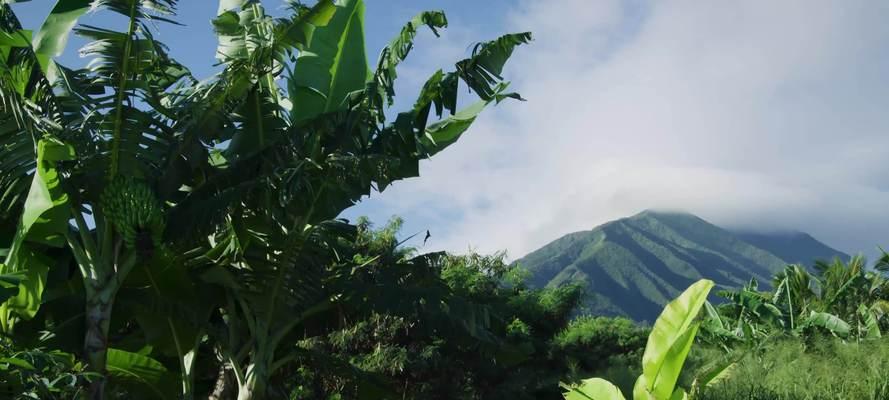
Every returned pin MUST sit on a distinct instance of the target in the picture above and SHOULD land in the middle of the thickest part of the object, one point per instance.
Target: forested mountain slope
(633, 266)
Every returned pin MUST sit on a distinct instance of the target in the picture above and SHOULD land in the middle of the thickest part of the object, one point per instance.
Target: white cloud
(768, 114)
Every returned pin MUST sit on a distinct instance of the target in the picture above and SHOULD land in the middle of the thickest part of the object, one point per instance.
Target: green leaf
(830, 322)
(713, 316)
(11, 280)
(679, 394)
(397, 50)
(242, 27)
(18, 362)
(669, 342)
(332, 66)
(871, 322)
(299, 31)
(592, 389)
(716, 371)
(261, 125)
(52, 38)
(46, 210)
(221, 276)
(44, 220)
(26, 300)
(443, 133)
(482, 71)
(447, 131)
(166, 303)
(20, 38)
(229, 5)
(663, 382)
(140, 371)
(231, 36)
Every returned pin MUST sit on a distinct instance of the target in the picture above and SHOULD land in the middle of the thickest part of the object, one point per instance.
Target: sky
(758, 115)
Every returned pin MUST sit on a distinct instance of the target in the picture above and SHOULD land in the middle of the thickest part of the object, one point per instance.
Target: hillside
(632, 266)
(792, 247)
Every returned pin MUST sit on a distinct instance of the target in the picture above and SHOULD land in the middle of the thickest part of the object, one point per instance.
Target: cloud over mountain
(755, 114)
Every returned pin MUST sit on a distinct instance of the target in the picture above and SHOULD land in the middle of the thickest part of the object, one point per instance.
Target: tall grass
(791, 370)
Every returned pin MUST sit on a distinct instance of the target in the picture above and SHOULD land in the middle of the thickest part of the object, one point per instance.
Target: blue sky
(761, 114)
(195, 44)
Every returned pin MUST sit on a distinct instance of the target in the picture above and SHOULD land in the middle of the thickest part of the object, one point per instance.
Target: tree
(469, 329)
(148, 162)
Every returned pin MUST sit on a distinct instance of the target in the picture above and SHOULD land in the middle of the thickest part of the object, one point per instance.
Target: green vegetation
(37, 373)
(812, 337)
(633, 266)
(668, 346)
(519, 347)
(827, 369)
(179, 235)
(845, 299)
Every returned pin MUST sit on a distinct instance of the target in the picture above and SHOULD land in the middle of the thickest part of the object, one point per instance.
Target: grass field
(788, 370)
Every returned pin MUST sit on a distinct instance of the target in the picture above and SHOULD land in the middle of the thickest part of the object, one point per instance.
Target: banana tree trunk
(254, 386)
(98, 319)
(224, 389)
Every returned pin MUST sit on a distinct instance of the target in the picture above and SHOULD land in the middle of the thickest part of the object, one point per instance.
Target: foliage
(813, 336)
(202, 212)
(844, 299)
(668, 346)
(519, 347)
(594, 342)
(36, 373)
(789, 369)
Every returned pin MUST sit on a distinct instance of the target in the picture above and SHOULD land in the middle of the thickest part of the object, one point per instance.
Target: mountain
(634, 266)
(792, 247)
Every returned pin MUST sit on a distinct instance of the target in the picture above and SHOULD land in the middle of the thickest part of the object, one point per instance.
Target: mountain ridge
(632, 266)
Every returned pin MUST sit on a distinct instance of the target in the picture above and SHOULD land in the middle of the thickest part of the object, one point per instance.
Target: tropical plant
(854, 294)
(844, 299)
(372, 278)
(668, 345)
(178, 187)
(37, 373)
(518, 347)
(749, 316)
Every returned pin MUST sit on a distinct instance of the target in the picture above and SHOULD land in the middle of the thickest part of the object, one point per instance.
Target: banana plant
(147, 161)
(748, 317)
(794, 292)
(668, 345)
(91, 153)
(331, 144)
(843, 298)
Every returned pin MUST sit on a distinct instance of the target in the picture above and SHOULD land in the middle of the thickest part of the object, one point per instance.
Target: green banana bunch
(137, 215)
